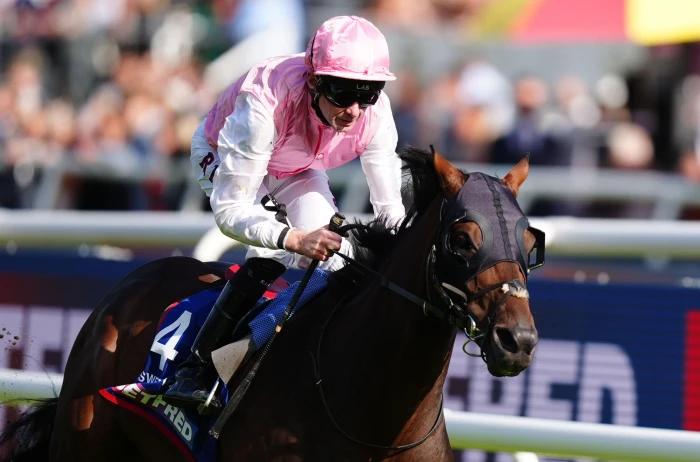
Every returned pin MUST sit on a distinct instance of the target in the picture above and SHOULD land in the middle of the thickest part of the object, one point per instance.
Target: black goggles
(346, 92)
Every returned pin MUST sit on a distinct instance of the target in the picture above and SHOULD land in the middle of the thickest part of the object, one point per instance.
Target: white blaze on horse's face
(507, 334)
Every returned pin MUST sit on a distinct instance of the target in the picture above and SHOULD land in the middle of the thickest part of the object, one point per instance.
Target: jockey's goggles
(346, 92)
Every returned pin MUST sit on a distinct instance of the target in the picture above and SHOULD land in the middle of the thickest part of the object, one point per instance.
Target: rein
(316, 361)
(453, 316)
(425, 305)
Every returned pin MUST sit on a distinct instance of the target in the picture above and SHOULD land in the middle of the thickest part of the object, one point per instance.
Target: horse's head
(483, 254)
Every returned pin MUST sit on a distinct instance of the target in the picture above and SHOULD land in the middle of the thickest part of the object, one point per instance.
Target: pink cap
(349, 47)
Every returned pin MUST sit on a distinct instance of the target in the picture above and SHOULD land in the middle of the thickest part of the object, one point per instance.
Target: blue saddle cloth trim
(177, 329)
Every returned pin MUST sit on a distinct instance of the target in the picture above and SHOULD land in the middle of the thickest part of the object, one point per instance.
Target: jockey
(276, 131)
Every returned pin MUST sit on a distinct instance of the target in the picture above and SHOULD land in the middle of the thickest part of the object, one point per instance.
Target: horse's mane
(27, 439)
(375, 239)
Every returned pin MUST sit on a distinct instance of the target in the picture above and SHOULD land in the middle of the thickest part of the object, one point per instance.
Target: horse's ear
(517, 175)
(451, 178)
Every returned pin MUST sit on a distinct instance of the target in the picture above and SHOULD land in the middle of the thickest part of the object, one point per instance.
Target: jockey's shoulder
(278, 74)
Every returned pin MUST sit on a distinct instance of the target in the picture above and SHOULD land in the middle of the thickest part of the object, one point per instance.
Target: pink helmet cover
(349, 47)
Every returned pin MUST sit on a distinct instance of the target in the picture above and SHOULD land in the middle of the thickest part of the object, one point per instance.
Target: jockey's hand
(318, 244)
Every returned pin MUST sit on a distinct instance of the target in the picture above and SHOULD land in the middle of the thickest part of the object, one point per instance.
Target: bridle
(454, 313)
(458, 314)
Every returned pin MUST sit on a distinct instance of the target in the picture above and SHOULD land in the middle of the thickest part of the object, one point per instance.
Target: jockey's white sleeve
(245, 145)
(382, 167)
(204, 159)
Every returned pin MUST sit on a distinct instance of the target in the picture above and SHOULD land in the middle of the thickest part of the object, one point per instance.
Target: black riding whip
(215, 431)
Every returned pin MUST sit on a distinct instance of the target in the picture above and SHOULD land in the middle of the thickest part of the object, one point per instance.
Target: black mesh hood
(485, 200)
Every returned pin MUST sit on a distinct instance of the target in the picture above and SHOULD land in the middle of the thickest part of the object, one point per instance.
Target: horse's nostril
(517, 340)
(506, 339)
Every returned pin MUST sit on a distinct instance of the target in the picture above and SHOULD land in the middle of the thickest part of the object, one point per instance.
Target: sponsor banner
(619, 354)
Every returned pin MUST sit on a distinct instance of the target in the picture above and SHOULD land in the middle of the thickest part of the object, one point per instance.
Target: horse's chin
(500, 371)
(501, 363)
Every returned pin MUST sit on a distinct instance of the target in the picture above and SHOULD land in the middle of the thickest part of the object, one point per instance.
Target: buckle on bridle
(473, 335)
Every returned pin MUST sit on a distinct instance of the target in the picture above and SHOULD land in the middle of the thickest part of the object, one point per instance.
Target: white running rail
(565, 236)
(19, 387)
(523, 436)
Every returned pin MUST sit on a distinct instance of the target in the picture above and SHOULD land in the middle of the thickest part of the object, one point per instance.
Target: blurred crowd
(113, 89)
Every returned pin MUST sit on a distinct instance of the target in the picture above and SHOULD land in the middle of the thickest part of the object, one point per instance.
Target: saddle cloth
(177, 329)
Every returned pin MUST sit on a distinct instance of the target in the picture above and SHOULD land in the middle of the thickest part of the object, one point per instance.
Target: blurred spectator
(406, 100)
(23, 127)
(260, 29)
(689, 165)
(578, 114)
(612, 95)
(535, 132)
(483, 113)
(434, 111)
(109, 91)
(529, 136)
(628, 147)
(688, 130)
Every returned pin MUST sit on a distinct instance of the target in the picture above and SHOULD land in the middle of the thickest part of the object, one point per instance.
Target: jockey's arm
(204, 159)
(382, 167)
(244, 147)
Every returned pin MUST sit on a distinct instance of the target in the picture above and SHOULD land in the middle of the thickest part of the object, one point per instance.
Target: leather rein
(454, 314)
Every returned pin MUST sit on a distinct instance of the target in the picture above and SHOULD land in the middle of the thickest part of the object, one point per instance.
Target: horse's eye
(463, 242)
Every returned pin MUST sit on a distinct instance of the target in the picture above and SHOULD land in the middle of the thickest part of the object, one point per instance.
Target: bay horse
(358, 372)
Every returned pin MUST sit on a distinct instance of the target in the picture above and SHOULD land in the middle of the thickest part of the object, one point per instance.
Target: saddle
(176, 331)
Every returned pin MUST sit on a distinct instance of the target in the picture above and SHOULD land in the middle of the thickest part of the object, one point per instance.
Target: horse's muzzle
(510, 350)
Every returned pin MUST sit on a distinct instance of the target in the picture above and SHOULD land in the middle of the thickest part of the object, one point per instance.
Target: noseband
(457, 313)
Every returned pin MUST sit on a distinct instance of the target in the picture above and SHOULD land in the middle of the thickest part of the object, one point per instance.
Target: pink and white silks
(264, 136)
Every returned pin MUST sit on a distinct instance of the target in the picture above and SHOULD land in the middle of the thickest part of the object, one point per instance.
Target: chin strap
(317, 108)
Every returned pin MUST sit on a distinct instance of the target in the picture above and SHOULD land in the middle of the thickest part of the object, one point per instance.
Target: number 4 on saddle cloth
(177, 329)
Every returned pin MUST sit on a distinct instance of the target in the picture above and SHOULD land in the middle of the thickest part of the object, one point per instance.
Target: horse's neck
(382, 361)
(395, 337)
(427, 337)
